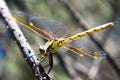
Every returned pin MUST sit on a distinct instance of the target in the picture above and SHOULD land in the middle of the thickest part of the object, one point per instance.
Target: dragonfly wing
(53, 27)
(85, 46)
(40, 28)
(57, 28)
(21, 16)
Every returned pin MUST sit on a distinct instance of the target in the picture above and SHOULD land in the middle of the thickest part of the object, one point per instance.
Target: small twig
(28, 53)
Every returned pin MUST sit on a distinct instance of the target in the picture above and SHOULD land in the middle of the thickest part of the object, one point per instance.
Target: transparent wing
(81, 52)
(52, 27)
(23, 19)
(57, 28)
(85, 47)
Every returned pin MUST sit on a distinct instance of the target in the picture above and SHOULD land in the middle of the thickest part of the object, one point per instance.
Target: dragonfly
(55, 41)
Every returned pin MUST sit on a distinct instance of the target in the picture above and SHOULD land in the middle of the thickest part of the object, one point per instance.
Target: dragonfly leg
(50, 63)
(42, 59)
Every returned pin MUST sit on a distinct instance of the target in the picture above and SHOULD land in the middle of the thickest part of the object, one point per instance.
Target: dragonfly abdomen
(90, 31)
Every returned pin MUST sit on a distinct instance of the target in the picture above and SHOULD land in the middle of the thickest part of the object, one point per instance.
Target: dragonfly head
(51, 46)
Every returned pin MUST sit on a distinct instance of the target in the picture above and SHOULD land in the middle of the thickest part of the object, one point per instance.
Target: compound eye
(61, 43)
(41, 49)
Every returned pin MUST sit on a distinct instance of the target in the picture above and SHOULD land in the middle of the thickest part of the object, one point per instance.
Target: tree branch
(28, 53)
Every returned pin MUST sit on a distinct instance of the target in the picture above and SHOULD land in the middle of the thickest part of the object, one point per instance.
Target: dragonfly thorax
(51, 46)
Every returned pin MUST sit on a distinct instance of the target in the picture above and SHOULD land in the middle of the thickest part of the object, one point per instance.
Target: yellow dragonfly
(40, 26)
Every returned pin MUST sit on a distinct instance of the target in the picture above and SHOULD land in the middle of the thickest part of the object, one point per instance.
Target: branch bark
(27, 51)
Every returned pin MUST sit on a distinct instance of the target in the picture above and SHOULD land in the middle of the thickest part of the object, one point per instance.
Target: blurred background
(78, 16)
